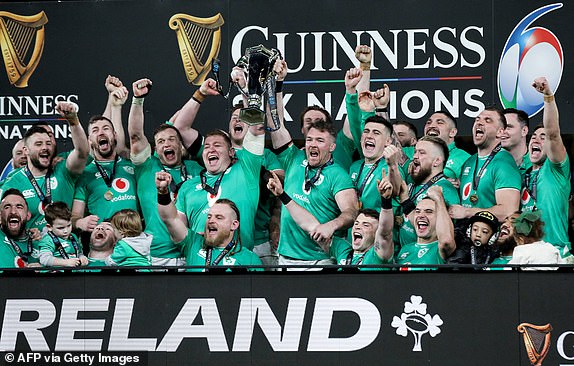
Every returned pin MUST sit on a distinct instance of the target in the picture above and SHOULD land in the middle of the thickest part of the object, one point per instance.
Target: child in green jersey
(133, 248)
(60, 247)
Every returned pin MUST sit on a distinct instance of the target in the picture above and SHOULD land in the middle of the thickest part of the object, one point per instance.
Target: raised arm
(364, 55)
(167, 211)
(183, 119)
(280, 137)
(553, 144)
(118, 99)
(77, 159)
(444, 225)
(138, 141)
(352, 127)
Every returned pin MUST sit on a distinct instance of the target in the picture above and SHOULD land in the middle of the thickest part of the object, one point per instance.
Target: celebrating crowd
(371, 194)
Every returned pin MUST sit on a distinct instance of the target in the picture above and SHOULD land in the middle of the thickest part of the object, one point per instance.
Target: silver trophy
(258, 64)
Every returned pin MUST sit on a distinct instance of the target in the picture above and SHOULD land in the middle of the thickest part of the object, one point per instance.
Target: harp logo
(21, 43)
(416, 320)
(536, 340)
(199, 40)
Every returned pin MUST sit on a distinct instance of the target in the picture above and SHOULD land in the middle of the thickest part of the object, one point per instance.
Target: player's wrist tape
(549, 98)
(408, 206)
(284, 198)
(278, 86)
(198, 97)
(163, 198)
(365, 66)
(138, 101)
(381, 109)
(386, 203)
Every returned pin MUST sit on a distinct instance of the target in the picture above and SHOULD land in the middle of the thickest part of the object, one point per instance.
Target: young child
(133, 246)
(59, 247)
(482, 232)
(475, 244)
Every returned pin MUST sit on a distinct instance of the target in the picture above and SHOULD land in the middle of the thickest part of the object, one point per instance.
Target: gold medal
(474, 199)
(108, 195)
(399, 220)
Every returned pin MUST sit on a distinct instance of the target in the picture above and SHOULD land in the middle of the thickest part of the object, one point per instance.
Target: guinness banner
(384, 318)
(459, 56)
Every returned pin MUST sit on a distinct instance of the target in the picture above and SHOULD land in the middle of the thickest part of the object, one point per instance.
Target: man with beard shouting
(490, 180)
(220, 243)
(425, 171)
(42, 183)
(169, 149)
(108, 183)
(18, 247)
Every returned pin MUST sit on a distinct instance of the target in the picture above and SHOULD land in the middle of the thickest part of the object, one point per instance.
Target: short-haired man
(434, 230)
(371, 237)
(513, 138)
(40, 182)
(18, 247)
(108, 184)
(169, 150)
(378, 155)
(547, 184)
(221, 243)
(316, 183)
(442, 124)
(221, 177)
(426, 170)
(490, 180)
(406, 133)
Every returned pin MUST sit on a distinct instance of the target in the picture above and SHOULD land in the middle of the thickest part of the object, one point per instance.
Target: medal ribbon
(309, 183)
(476, 177)
(108, 179)
(369, 173)
(45, 198)
(183, 171)
(19, 251)
(425, 187)
(224, 252)
(350, 256)
(60, 247)
(527, 182)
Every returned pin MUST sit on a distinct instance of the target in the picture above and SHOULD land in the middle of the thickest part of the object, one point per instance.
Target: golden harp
(537, 341)
(17, 34)
(194, 35)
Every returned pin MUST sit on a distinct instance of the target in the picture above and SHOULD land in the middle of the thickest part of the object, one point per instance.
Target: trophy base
(252, 116)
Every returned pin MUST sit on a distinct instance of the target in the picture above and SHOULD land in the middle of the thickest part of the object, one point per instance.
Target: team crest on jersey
(404, 255)
(422, 252)
(53, 183)
(121, 185)
(466, 190)
(211, 198)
